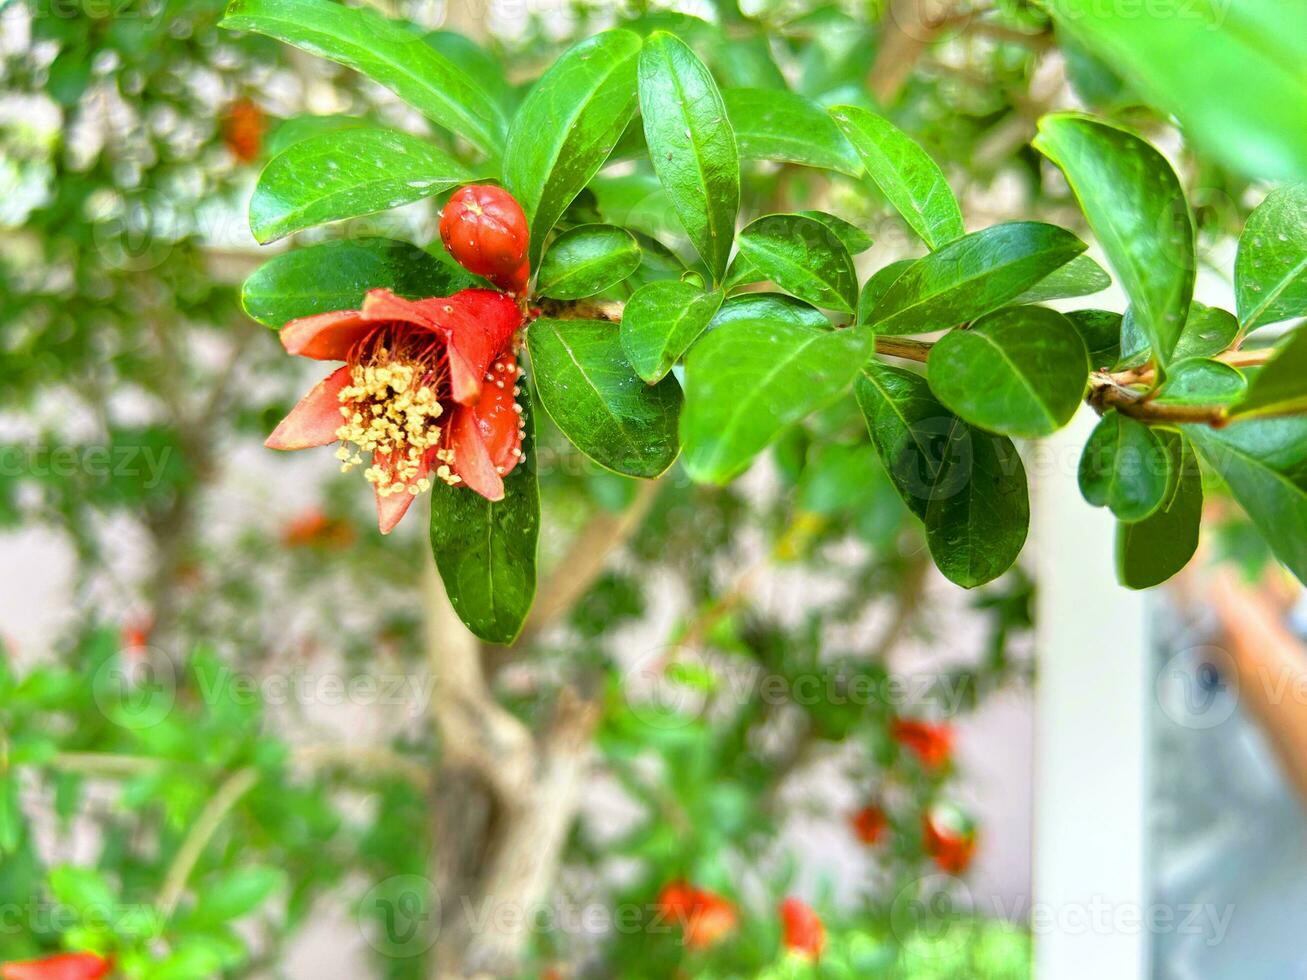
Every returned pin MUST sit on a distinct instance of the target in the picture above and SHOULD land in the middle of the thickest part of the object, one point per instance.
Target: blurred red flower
(949, 837)
(63, 966)
(932, 744)
(869, 824)
(705, 917)
(803, 932)
(242, 130)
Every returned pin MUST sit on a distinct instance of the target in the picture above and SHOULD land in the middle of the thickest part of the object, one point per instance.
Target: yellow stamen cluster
(388, 410)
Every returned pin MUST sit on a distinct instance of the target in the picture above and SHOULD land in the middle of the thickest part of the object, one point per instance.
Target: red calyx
(705, 917)
(485, 230)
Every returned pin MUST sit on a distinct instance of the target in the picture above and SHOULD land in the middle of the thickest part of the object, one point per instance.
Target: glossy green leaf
(691, 145)
(386, 52)
(1200, 381)
(336, 275)
(1082, 276)
(854, 238)
(661, 321)
(345, 174)
(905, 174)
(967, 486)
(298, 128)
(598, 401)
(1231, 72)
(586, 260)
(1101, 332)
(1270, 269)
(764, 308)
(747, 381)
(874, 290)
(567, 126)
(776, 125)
(1208, 330)
(1137, 209)
(1264, 462)
(1280, 386)
(1150, 551)
(477, 64)
(972, 276)
(1125, 467)
(1019, 371)
(804, 257)
(486, 550)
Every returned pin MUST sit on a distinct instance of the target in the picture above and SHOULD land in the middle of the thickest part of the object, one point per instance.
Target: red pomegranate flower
(803, 932)
(63, 966)
(705, 917)
(933, 744)
(428, 388)
(485, 230)
(869, 824)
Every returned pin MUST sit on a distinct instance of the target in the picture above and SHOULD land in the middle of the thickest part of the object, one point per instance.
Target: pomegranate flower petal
(315, 419)
(325, 336)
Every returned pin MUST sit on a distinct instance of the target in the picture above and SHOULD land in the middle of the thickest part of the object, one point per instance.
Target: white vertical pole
(1091, 698)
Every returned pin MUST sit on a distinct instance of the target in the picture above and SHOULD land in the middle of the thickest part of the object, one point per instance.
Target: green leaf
(1280, 386)
(804, 257)
(586, 260)
(602, 406)
(232, 894)
(83, 889)
(477, 64)
(905, 174)
(336, 275)
(299, 128)
(1232, 73)
(691, 145)
(764, 308)
(1125, 467)
(972, 276)
(567, 127)
(1082, 276)
(661, 321)
(747, 381)
(967, 486)
(777, 125)
(1137, 209)
(345, 174)
(1101, 332)
(878, 285)
(1270, 269)
(1200, 381)
(1019, 371)
(1150, 551)
(486, 550)
(1207, 332)
(386, 52)
(1264, 462)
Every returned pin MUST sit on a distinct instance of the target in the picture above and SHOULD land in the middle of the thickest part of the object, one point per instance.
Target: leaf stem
(188, 855)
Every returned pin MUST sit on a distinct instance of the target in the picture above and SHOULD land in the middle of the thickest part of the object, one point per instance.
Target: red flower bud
(64, 966)
(485, 231)
(242, 130)
(949, 837)
(803, 932)
(869, 824)
(933, 744)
